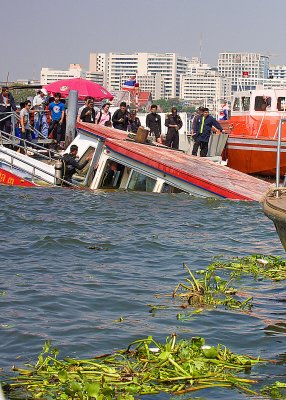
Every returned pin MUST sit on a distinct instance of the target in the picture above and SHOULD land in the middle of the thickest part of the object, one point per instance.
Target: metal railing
(278, 155)
(7, 138)
(14, 116)
(34, 168)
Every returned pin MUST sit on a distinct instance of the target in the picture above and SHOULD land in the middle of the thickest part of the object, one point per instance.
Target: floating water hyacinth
(260, 266)
(145, 367)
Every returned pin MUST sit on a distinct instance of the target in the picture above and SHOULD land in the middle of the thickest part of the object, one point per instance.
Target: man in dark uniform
(7, 104)
(121, 117)
(202, 132)
(153, 122)
(174, 124)
(71, 164)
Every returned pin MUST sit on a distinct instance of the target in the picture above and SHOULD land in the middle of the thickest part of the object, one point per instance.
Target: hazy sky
(53, 34)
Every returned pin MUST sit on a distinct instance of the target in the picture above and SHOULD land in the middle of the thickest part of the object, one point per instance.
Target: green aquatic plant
(260, 266)
(276, 391)
(207, 289)
(145, 367)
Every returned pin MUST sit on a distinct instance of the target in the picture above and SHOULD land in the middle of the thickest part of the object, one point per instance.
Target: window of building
(140, 182)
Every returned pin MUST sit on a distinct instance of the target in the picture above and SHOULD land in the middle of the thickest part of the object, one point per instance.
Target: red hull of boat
(9, 179)
(255, 156)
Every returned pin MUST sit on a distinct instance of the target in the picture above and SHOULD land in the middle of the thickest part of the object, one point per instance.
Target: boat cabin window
(81, 174)
(171, 189)
(281, 104)
(236, 104)
(262, 103)
(112, 175)
(245, 101)
(140, 182)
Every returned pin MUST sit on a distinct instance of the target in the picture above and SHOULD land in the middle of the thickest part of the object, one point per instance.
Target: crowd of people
(49, 115)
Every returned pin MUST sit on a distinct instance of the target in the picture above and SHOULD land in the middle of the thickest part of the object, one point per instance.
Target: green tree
(22, 93)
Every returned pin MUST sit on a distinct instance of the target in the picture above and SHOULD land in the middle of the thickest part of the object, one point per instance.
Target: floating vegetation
(260, 266)
(145, 367)
(276, 391)
(209, 291)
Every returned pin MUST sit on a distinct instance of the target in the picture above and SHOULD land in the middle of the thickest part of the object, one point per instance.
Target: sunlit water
(74, 263)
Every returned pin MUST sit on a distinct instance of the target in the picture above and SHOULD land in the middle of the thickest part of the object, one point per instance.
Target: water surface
(73, 263)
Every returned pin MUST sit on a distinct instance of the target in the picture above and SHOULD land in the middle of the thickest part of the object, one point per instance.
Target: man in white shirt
(40, 102)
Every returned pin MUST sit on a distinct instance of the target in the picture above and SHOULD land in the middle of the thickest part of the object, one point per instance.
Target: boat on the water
(253, 129)
(119, 162)
(274, 207)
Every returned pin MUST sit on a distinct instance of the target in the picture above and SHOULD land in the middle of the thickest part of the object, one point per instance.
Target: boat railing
(15, 118)
(35, 148)
(281, 121)
(57, 180)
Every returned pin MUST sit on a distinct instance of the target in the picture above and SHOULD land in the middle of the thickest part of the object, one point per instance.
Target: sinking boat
(253, 129)
(119, 162)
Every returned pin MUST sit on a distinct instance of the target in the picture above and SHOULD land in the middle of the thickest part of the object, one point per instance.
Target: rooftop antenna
(201, 45)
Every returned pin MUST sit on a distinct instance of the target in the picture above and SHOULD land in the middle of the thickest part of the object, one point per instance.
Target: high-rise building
(205, 88)
(243, 66)
(116, 65)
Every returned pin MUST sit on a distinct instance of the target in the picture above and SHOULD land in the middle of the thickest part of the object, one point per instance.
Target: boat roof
(199, 171)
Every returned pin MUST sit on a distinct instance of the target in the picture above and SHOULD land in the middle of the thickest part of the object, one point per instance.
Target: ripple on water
(73, 265)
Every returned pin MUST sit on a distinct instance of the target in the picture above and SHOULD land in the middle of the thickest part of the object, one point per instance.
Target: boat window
(262, 103)
(281, 104)
(82, 173)
(245, 103)
(141, 182)
(236, 104)
(112, 175)
(171, 189)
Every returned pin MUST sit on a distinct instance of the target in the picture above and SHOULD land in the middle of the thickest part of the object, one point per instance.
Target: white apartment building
(205, 88)
(116, 65)
(277, 72)
(238, 66)
(49, 75)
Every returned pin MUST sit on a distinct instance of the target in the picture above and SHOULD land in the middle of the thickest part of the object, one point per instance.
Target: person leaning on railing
(25, 125)
(7, 104)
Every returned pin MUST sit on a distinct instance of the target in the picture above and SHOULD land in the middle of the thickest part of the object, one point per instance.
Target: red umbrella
(83, 86)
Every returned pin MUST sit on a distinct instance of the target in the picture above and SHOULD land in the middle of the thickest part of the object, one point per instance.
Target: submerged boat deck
(201, 172)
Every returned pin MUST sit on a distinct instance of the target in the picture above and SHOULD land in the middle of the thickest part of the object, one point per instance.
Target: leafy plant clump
(145, 367)
(276, 391)
(210, 290)
(260, 266)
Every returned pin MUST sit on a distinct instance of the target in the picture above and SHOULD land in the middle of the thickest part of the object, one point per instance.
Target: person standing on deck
(40, 102)
(134, 122)
(103, 117)
(202, 132)
(88, 113)
(25, 125)
(120, 117)
(57, 110)
(153, 122)
(199, 112)
(7, 104)
(174, 124)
